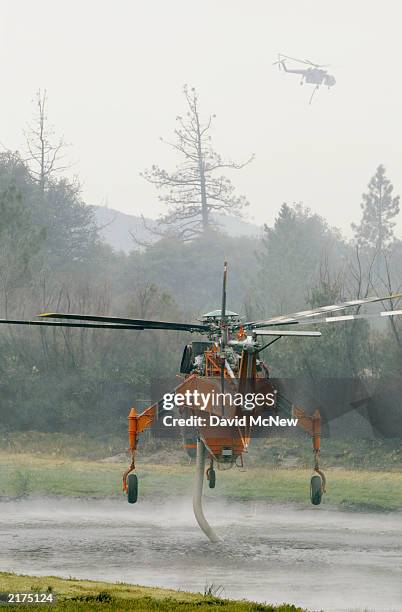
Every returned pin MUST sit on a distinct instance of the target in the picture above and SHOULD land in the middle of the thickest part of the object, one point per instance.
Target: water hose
(197, 494)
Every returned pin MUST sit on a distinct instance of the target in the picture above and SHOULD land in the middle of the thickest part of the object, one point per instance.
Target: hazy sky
(114, 72)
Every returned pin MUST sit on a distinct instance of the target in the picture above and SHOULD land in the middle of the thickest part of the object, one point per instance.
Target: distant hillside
(117, 228)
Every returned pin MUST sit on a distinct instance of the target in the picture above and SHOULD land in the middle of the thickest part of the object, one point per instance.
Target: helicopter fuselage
(313, 75)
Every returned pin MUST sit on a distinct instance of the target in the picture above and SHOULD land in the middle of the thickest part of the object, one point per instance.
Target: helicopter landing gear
(132, 488)
(316, 489)
(211, 476)
(136, 424)
(130, 483)
(312, 424)
(318, 481)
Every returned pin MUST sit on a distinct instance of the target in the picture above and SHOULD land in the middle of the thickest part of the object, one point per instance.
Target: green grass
(58, 444)
(363, 474)
(24, 474)
(275, 451)
(90, 595)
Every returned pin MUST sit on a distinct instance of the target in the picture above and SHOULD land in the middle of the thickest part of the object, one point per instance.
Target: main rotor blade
(142, 323)
(385, 313)
(307, 314)
(286, 332)
(316, 65)
(294, 59)
(57, 324)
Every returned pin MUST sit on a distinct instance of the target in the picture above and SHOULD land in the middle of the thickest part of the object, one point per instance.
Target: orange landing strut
(312, 424)
(136, 424)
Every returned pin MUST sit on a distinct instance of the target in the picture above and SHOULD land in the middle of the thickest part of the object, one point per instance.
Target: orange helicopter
(215, 404)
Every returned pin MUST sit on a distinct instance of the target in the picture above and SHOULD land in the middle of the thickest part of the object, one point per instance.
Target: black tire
(132, 488)
(316, 490)
(211, 478)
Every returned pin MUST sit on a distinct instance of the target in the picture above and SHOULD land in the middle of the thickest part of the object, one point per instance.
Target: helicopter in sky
(315, 74)
(225, 363)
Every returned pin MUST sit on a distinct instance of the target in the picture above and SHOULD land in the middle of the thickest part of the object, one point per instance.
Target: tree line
(53, 259)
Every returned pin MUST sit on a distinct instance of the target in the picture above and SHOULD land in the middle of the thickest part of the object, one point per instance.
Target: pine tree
(380, 207)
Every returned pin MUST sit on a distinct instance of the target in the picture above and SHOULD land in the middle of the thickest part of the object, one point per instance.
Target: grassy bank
(275, 451)
(25, 474)
(89, 595)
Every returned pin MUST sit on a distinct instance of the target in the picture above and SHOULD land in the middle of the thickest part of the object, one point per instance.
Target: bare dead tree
(375, 234)
(360, 268)
(195, 190)
(46, 152)
(391, 285)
